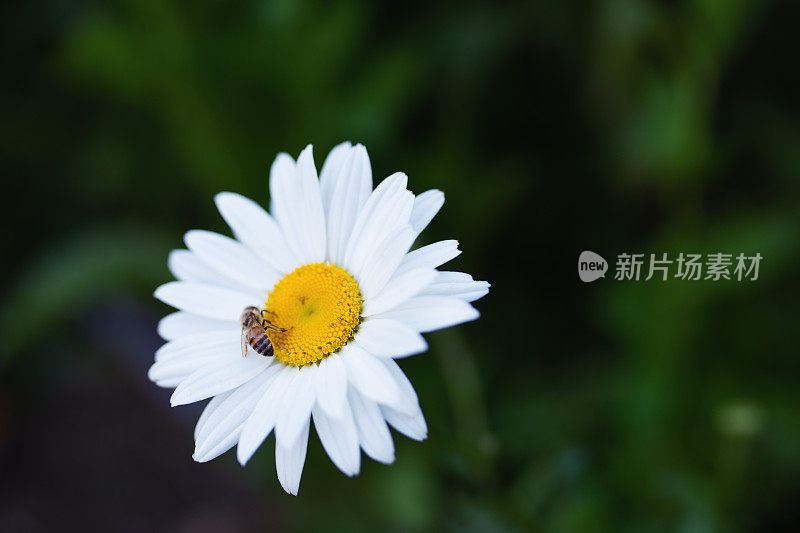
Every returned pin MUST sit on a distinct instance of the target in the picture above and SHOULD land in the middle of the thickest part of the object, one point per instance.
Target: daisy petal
(232, 259)
(412, 426)
(312, 213)
(430, 256)
(181, 323)
(339, 437)
(206, 300)
(296, 406)
(383, 263)
(399, 289)
(350, 190)
(457, 285)
(257, 230)
(289, 460)
(332, 386)
(426, 205)
(409, 403)
(388, 187)
(330, 171)
(285, 203)
(387, 209)
(219, 447)
(179, 359)
(228, 373)
(187, 266)
(199, 344)
(264, 415)
(368, 375)
(211, 406)
(373, 434)
(389, 338)
(231, 415)
(171, 372)
(429, 313)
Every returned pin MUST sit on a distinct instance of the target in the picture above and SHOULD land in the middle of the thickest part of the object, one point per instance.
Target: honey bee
(254, 331)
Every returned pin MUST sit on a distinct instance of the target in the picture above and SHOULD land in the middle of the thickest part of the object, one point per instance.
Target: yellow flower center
(319, 306)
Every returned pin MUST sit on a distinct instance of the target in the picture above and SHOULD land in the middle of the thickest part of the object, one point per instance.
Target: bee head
(248, 313)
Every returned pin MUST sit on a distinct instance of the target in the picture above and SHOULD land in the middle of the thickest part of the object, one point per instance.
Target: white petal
(389, 338)
(257, 230)
(179, 359)
(456, 285)
(296, 406)
(262, 420)
(181, 323)
(387, 209)
(172, 371)
(373, 434)
(187, 266)
(206, 300)
(369, 376)
(430, 256)
(297, 205)
(200, 344)
(339, 437)
(331, 386)
(426, 205)
(446, 276)
(409, 403)
(388, 187)
(286, 202)
(228, 373)
(312, 213)
(282, 170)
(232, 259)
(219, 447)
(229, 418)
(350, 190)
(330, 171)
(289, 460)
(399, 289)
(412, 426)
(383, 263)
(211, 406)
(429, 313)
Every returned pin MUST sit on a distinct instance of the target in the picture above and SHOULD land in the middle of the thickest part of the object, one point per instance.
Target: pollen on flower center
(319, 306)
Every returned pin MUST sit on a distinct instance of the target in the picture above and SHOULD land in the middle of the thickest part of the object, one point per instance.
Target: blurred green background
(553, 127)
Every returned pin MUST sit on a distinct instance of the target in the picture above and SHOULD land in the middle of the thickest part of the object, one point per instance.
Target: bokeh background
(553, 127)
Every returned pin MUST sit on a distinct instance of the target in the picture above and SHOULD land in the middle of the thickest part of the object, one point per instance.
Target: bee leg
(270, 325)
(271, 313)
(244, 346)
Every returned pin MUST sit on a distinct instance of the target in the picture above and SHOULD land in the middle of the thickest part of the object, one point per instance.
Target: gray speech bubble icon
(591, 266)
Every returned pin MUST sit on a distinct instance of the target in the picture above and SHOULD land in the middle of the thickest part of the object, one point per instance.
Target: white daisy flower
(331, 266)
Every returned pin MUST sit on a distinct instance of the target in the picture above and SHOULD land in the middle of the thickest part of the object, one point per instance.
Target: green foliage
(71, 276)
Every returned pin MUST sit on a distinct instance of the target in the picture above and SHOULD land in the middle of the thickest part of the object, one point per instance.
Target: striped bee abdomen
(262, 345)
